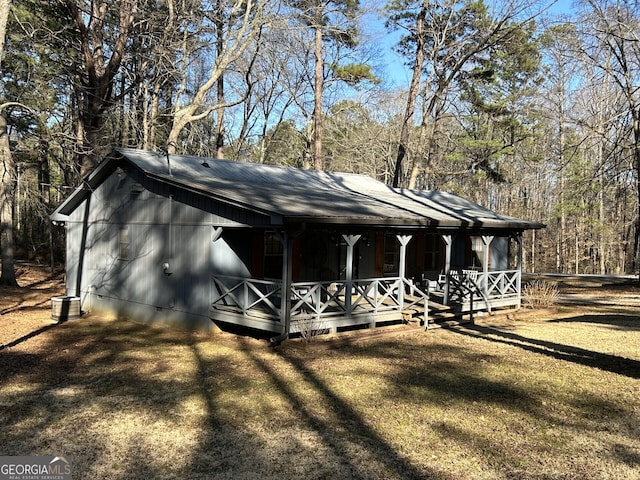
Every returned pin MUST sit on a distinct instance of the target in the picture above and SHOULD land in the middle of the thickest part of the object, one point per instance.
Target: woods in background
(528, 112)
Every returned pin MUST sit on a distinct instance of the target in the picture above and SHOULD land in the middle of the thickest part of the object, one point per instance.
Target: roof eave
(87, 185)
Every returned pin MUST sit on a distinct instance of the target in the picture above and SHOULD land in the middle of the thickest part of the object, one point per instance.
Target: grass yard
(553, 394)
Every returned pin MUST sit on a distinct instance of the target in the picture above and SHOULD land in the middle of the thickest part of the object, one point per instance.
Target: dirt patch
(27, 308)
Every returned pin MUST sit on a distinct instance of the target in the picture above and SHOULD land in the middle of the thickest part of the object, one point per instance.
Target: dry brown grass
(530, 396)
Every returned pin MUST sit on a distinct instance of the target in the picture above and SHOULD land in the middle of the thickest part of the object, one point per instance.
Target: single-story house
(203, 242)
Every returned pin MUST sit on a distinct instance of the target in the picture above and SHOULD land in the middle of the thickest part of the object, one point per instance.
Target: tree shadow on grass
(28, 336)
(375, 454)
(521, 414)
(312, 434)
(79, 385)
(589, 358)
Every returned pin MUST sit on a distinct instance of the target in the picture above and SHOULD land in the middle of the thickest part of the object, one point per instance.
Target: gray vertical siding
(160, 230)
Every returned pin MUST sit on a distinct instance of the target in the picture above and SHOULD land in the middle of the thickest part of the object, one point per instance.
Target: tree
(333, 22)
(245, 20)
(8, 274)
(499, 93)
(561, 45)
(444, 39)
(612, 44)
(103, 40)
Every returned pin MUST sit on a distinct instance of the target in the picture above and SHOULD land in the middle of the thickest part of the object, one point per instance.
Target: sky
(398, 75)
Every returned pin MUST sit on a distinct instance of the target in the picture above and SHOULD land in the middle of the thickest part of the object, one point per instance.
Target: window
(432, 252)
(273, 253)
(391, 255)
(123, 250)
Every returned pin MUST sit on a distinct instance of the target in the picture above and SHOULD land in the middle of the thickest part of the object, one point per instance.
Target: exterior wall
(499, 254)
(160, 231)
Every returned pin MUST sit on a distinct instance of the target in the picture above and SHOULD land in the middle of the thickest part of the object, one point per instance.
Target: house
(203, 242)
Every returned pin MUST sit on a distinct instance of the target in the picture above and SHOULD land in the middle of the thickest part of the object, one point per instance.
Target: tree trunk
(317, 101)
(8, 274)
(220, 86)
(5, 6)
(412, 96)
(636, 155)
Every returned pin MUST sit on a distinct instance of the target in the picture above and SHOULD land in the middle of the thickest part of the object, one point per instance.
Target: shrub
(311, 328)
(540, 294)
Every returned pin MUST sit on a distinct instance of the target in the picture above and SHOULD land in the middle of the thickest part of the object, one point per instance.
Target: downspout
(83, 242)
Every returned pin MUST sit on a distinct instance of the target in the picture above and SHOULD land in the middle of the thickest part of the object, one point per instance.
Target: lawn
(550, 394)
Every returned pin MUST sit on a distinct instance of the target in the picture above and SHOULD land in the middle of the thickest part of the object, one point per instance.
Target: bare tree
(245, 19)
(102, 47)
(612, 44)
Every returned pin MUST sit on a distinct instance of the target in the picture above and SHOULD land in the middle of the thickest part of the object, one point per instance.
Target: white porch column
(351, 241)
(486, 241)
(402, 267)
(518, 238)
(448, 240)
(287, 269)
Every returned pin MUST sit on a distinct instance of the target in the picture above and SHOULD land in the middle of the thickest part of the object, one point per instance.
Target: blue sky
(398, 74)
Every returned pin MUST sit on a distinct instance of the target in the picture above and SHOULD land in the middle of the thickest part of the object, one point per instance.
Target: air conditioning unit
(65, 308)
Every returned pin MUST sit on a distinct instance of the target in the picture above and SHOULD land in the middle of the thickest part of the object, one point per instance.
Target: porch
(467, 290)
(329, 306)
(284, 306)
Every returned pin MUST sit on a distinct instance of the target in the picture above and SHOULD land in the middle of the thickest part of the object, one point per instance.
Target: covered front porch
(395, 293)
(487, 273)
(317, 306)
(343, 301)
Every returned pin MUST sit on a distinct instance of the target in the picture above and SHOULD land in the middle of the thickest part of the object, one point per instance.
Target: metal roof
(295, 195)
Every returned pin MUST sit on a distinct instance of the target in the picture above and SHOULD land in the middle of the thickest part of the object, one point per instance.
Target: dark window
(432, 252)
(391, 255)
(272, 255)
(123, 239)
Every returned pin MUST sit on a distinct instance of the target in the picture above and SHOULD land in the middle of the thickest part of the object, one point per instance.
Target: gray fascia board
(88, 184)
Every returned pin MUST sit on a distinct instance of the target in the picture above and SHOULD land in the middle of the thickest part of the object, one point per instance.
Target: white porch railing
(366, 296)
(319, 300)
(246, 295)
(500, 284)
(492, 288)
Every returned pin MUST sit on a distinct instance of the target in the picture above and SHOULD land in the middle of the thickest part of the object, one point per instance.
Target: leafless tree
(612, 44)
(244, 22)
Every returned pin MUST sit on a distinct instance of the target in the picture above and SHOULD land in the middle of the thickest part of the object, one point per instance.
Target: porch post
(447, 239)
(351, 240)
(486, 240)
(518, 238)
(402, 267)
(285, 302)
